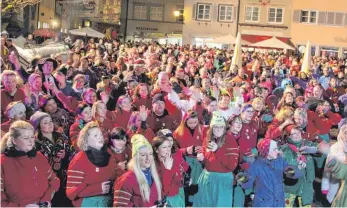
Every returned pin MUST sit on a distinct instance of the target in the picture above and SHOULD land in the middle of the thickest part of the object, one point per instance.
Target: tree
(8, 7)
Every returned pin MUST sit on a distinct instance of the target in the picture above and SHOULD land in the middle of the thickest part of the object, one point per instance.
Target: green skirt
(97, 201)
(176, 201)
(215, 190)
(196, 167)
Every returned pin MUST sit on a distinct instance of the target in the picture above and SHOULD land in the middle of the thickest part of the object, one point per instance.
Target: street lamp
(54, 23)
(177, 13)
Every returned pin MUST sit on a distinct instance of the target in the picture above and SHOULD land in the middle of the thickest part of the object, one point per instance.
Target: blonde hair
(258, 100)
(302, 113)
(145, 190)
(13, 133)
(95, 106)
(284, 113)
(82, 141)
(189, 115)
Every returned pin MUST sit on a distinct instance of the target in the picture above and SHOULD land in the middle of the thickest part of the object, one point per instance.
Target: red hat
(264, 147)
(139, 62)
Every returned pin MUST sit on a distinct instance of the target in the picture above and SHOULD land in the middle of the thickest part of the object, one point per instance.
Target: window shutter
(194, 12)
(297, 16)
(330, 18)
(339, 19)
(215, 12)
(321, 18)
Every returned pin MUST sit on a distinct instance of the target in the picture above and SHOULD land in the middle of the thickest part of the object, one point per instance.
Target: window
(33, 12)
(156, 13)
(204, 12)
(275, 15)
(225, 13)
(140, 12)
(309, 16)
(252, 14)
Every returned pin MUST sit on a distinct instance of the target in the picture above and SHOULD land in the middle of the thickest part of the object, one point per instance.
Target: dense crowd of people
(143, 124)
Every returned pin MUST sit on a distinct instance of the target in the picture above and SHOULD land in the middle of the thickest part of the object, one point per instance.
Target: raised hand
(143, 113)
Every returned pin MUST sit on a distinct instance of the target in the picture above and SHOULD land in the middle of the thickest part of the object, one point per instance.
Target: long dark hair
(156, 142)
(118, 133)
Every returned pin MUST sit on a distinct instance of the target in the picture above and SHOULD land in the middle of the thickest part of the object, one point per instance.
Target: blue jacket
(268, 178)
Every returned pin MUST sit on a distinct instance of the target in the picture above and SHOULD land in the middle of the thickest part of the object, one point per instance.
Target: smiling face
(126, 104)
(295, 135)
(145, 157)
(25, 142)
(46, 125)
(236, 126)
(143, 91)
(247, 115)
(51, 106)
(47, 68)
(164, 150)
(158, 107)
(86, 114)
(10, 83)
(218, 131)
(119, 144)
(95, 138)
(37, 84)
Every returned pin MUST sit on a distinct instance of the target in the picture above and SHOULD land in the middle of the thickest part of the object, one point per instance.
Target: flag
(237, 57)
(306, 63)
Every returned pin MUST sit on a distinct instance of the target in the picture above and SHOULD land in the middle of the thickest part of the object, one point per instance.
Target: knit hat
(138, 141)
(158, 97)
(37, 117)
(245, 107)
(78, 76)
(32, 78)
(264, 147)
(13, 107)
(217, 119)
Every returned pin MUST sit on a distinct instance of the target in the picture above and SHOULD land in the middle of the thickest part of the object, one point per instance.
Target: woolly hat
(138, 141)
(217, 119)
(37, 117)
(13, 107)
(264, 147)
(32, 78)
(78, 76)
(245, 107)
(158, 97)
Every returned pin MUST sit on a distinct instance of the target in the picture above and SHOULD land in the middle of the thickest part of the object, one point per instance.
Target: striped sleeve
(122, 194)
(229, 157)
(75, 178)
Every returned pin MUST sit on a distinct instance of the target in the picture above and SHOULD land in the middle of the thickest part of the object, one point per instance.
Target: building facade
(263, 19)
(146, 20)
(46, 15)
(323, 23)
(210, 22)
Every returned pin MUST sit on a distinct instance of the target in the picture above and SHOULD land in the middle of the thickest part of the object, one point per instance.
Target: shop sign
(147, 29)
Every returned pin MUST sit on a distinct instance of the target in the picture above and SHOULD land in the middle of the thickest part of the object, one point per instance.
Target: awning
(86, 31)
(273, 43)
(255, 39)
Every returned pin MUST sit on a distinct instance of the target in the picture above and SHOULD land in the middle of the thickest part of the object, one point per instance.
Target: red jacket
(171, 180)
(325, 122)
(187, 139)
(248, 139)
(6, 99)
(120, 157)
(127, 192)
(166, 121)
(26, 181)
(225, 158)
(273, 132)
(84, 178)
(119, 118)
(310, 132)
